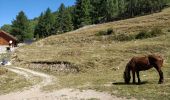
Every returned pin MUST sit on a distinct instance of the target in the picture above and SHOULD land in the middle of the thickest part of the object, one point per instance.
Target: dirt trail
(35, 93)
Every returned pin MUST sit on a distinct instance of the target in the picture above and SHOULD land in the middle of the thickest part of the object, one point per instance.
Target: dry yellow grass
(76, 42)
(102, 60)
(10, 81)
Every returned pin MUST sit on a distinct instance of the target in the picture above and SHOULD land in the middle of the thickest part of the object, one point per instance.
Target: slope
(100, 60)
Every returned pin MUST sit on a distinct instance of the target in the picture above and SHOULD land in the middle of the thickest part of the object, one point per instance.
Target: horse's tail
(127, 76)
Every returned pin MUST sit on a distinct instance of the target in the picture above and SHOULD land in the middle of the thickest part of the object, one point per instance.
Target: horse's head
(126, 77)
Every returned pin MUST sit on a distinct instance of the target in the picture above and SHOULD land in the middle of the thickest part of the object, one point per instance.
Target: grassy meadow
(10, 81)
(101, 60)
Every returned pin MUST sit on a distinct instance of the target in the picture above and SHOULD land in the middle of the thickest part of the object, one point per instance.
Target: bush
(143, 34)
(100, 33)
(109, 31)
(128, 37)
(149, 34)
(156, 32)
(124, 37)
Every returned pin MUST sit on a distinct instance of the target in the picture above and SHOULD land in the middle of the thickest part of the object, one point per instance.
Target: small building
(7, 39)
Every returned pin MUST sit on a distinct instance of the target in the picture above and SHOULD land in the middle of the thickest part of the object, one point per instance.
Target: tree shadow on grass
(123, 83)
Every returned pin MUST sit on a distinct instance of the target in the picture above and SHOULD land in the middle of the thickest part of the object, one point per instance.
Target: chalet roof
(14, 38)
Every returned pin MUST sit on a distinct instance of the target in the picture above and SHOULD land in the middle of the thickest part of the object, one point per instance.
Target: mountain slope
(101, 59)
(78, 43)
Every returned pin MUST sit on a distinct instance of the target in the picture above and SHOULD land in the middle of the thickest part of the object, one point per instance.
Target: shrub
(143, 34)
(124, 37)
(100, 33)
(149, 34)
(156, 32)
(109, 31)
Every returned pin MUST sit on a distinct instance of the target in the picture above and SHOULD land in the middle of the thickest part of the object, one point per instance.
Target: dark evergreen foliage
(63, 20)
(6, 28)
(21, 27)
(82, 12)
(45, 26)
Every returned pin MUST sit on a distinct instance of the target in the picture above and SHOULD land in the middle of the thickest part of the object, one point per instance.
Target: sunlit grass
(102, 60)
(11, 81)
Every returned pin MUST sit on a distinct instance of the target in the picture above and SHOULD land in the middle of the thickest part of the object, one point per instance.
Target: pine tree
(39, 29)
(60, 19)
(68, 21)
(109, 10)
(21, 28)
(140, 7)
(6, 28)
(96, 14)
(49, 21)
(63, 20)
(82, 13)
(121, 4)
(45, 26)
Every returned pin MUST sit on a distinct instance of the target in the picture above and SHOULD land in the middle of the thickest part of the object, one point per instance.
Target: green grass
(102, 69)
(112, 82)
(102, 60)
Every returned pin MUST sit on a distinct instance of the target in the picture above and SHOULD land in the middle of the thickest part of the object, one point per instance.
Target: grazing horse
(137, 64)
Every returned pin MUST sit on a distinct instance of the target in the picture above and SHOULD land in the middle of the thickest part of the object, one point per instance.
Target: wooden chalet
(7, 39)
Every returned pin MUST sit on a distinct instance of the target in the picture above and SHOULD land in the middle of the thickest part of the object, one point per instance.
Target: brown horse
(137, 64)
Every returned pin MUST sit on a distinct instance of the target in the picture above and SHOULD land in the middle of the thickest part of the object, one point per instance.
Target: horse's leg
(161, 79)
(133, 73)
(137, 72)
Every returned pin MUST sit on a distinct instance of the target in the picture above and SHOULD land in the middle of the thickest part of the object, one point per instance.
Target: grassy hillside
(101, 60)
